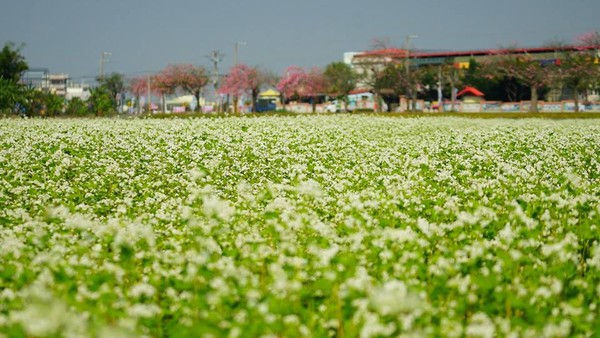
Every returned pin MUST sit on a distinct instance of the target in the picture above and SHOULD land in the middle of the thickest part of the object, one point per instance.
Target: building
(58, 84)
(369, 62)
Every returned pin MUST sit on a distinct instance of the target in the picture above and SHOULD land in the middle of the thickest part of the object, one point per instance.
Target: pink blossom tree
(314, 84)
(234, 84)
(138, 86)
(290, 83)
(591, 39)
(163, 84)
(243, 79)
(189, 78)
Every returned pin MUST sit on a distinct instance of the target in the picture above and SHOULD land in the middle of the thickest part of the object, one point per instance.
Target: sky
(144, 36)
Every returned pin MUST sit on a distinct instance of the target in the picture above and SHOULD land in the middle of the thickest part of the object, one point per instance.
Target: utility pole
(103, 59)
(149, 97)
(235, 51)
(407, 66)
(215, 56)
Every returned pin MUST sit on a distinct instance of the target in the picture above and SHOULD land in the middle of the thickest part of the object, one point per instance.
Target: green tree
(341, 80)
(580, 73)
(100, 101)
(114, 85)
(12, 63)
(76, 107)
(12, 95)
(527, 71)
(390, 83)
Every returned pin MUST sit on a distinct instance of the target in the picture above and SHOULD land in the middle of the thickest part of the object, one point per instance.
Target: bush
(77, 107)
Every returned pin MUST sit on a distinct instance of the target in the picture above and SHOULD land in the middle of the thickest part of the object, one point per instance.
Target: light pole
(103, 59)
(235, 51)
(408, 40)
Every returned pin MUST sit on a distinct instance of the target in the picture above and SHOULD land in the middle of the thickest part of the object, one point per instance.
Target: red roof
(388, 52)
(359, 91)
(470, 90)
(401, 53)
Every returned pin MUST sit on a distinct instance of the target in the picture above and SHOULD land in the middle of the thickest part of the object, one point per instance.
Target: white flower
(394, 298)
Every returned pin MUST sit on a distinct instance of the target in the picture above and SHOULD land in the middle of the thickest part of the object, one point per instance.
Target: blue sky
(68, 36)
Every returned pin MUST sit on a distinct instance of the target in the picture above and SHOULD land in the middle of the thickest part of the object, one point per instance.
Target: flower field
(331, 226)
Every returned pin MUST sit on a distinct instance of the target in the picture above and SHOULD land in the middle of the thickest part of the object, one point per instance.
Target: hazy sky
(68, 36)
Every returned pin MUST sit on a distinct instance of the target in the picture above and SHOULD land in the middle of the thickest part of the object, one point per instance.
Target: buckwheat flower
(394, 298)
(373, 327)
(142, 290)
(481, 326)
(144, 310)
(562, 329)
(42, 319)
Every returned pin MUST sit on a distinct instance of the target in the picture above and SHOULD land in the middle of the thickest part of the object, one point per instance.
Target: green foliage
(12, 63)
(323, 226)
(341, 80)
(113, 85)
(101, 101)
(12, 95)
(77, 107)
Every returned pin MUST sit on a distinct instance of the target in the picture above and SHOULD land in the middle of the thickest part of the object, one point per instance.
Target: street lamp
(235, 51)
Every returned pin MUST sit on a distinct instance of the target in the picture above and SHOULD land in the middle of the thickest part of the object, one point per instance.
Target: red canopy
(470, 90)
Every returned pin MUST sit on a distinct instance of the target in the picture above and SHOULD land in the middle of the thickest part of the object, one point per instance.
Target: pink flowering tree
(163, 84)
(314, 84)
(290, 83)
(591, 39)
(235, 84)
(189, 79)
(138, 86)
(243, 79)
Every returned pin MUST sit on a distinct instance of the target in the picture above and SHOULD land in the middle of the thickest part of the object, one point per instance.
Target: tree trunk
(534, 99)
(576, 99)
(254, 99)
(198, 108)
(452, 98)
(313, 102)
(235, 104)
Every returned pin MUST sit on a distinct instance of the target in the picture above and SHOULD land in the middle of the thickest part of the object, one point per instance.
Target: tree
(114, 85)
(12, 95)
(591, 39)
(578, 72)
(100, 101)
(315, 84)
(257, 78)
(341, 80)
(372, 69)
(138, 86)
(163, 84)
(390, 83)
(524, 69)
(235, 84)
(189, 78)
(12, 63)
(290, 83)
(451, 77)
(243, 79)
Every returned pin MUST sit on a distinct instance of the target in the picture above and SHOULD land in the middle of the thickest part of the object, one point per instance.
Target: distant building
(58, 84)
(368, 62)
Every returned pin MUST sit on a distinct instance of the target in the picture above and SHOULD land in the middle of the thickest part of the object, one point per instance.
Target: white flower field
(313, 226)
